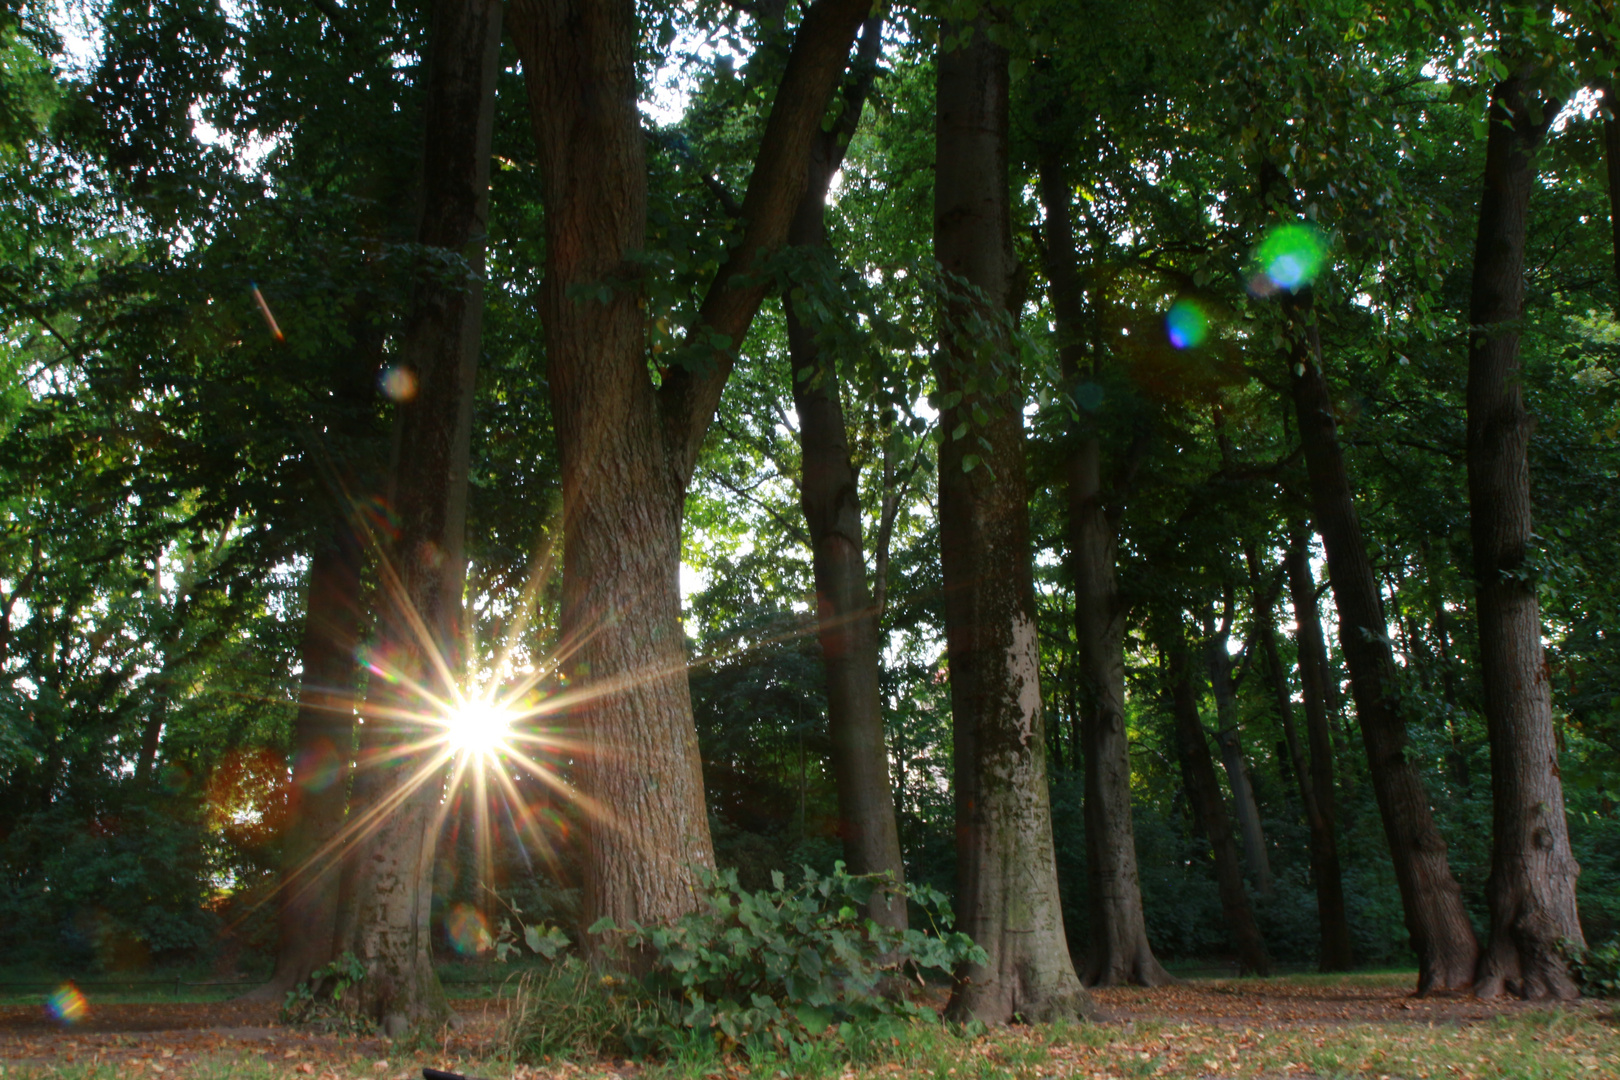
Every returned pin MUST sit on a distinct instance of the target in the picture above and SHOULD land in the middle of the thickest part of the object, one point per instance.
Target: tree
(1204, 792)
(1118, 949)
(1532, 884)
(1006, 876)
(1316, 779)
(829, 494)
(629, 444)
(399, 794)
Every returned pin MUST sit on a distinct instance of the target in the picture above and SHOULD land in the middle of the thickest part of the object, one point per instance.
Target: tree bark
(1204, 792)
(1117, 948)
(1441, 934)
(1316, 780)
(1531, 890)
(420, 630)
(829, 495)
(627, 445)
(1007, 891)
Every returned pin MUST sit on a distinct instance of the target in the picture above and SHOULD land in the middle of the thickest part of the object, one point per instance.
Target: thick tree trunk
(1117, 950)
(420, 629)
(1441, 934)
(1531, 889)
(1204, 792)
(829, 495)
(1244, 804)
(628, 446)
(1007, 891)
(322, 748)
(1316, 773)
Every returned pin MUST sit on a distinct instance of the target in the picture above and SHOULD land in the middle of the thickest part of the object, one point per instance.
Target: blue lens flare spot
(1291, 256)
(1186, 324)
(66, 1005)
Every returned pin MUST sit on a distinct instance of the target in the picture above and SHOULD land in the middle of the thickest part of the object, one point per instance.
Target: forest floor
(1297, 1027)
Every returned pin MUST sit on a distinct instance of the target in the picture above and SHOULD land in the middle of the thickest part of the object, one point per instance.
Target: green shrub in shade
(1597, 969)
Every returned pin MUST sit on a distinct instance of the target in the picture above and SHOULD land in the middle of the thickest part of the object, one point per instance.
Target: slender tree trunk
(1611, 163)
(1244, 804)
(1441, 934)
(420, 631)
(1209, 810)
(322, 748)
(1316, 775)
(1531, 889)
(1117, 949)
(1006, 869)
(628, 446)
(829, 494)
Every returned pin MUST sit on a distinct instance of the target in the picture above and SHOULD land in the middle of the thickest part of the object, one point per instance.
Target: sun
(478, 728)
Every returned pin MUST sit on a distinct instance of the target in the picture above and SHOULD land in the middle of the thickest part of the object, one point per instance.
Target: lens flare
(478, 728)
(1291, 256)
(399, 384)
(1186, 324)
(66, 1005)
(469, 934)
(1089, 396)
(264, 309)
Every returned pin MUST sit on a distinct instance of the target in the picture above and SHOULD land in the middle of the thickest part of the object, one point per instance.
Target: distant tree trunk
(1441, 934)
(420, 628)
(1209, 810)
(1531, 889)
(1006, 870)
(627, 445)
(322, 747)
(1220, 664)
(829, 494)
(1611, 162)
(1117, 949)
(1316, 779)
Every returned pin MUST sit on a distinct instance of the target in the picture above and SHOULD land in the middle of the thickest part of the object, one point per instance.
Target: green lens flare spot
(1291, 256)
(1186, 324)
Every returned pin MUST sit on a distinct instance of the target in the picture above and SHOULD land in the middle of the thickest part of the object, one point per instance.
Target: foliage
(1597, 969)
(317, 1002)
(777, 967)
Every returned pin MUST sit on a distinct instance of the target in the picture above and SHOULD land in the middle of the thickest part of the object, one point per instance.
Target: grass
(1576, 1043)
(1552, 1045)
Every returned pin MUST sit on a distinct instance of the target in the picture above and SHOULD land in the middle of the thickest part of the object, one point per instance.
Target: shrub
(1598, 969)
(773, 968)
(317, 1001)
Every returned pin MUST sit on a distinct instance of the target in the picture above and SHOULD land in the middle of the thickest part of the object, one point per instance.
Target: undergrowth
(795, 971)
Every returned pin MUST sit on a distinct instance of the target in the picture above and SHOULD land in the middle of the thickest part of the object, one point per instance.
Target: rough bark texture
(1204, 792)
(829, 495)
(1117, 951)
(420, 626)
(1441, 934)
(1007, 894)
(627, 445)
(1531, 890)
(1316, 773)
